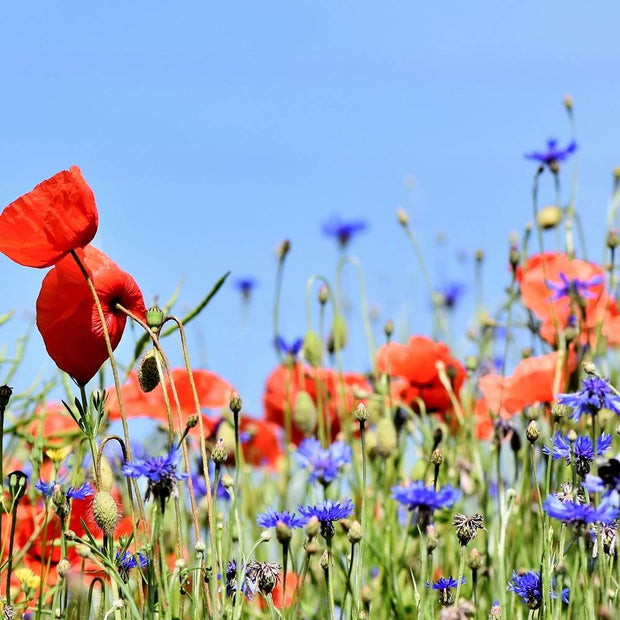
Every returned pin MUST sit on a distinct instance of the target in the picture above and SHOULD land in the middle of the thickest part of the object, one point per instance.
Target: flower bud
(191, 421)
(282, 249)
(311, 547)
(235, 404)
(312, 527)
(305, 414)
(559, 411)
(437, 457)
(313, 349)
(323, 295)
(355, 532)
(388, 328)
(474, 561)
(5, 395)
(106, 475)
(148, 374)
(613, 239)
(219, 454)
(479, 256)
(568, 102)
(533, 432)
(265, 536)
(227, 481)
(549, 217)
(339, 332)
(402, 217)
(366, 594)
(63, 568)
(361, 413)
(105, 512)
(387, 439)
(324, 562)
(283, 532)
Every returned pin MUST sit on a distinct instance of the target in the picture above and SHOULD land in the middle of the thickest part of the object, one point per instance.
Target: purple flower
(47, 489)
(245, 286)
(528, 586)
(583, 450)
(576, 514)
(424, 500)
(324, 465)
(291, 349)
(271, 518)
(553, 155)
(444, 586)
(595, 394)
(327, 512)
(574, 288)
(126, 561)
(607, 481)
(161, 474)
(449, 295)
(343, 231)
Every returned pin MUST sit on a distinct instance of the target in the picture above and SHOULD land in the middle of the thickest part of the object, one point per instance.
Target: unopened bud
(265, 536)
(361, 413)
(339, 332)
(283, 532)
(568, 102)
(559, 411)
(437, 457)
(323, 295)
(5, 395)
(105, 512)
(305, 415)
(533, 432)
(311, 547)
(474, 561)
(219, 454)
(312, 527)
(572, 435)
(549, 217)
(479, 255)
(227, 481)
(388, 328)
(402, 217)
(313, 349)
(324, 562)
(355, 532)
(613, 239)
(387, 439)
(235, 404)
(283, 249)
(63, 568)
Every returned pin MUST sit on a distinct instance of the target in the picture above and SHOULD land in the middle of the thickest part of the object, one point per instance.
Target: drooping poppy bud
(67, 316)
(44, 225)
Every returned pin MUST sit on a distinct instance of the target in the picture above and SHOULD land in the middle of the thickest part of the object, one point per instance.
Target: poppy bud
(549, 217)
(339, 332)
(17, 484)
(305, 414)
(387, 439)
(106, 476)
(323, 295)
(105, 512)
(155, 318)
(355, 532)
(312, 349)
(613, 239)
(5, 395)
(388, 328)
(402, 217)
(148, 374)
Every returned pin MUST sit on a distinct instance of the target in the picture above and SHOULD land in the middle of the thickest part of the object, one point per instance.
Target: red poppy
(44, 225)
(415, 367)
(559, 290)
(533, 381)
(337, 393)
(213, 393)
(67, 316)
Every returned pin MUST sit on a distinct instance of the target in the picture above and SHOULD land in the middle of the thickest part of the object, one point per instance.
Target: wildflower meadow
(434, 480)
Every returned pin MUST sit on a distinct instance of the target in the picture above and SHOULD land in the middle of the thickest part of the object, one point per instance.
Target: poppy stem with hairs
(117, 386)
(203, 445)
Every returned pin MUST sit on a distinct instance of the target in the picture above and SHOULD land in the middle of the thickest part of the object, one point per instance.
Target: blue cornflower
(200, 485)
(553, 155)
(47, 489)
(444, 586)
(271, 518)
(576, 287)
(286, 348)
(424, 500)
(450, 294)
(245, 286)
(577, 515)
(327, 512)
(126, 561)
(583, 449)
(343, 231)
(528, 586)
(324, 465)
(595, 394)
(161, 474)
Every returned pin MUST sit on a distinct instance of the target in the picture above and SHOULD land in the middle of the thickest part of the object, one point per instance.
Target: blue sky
(211, 131)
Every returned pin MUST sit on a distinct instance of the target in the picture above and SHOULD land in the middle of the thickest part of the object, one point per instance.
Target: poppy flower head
(44, 225)
(68, 318)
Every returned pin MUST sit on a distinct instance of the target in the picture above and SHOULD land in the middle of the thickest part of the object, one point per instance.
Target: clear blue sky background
(211, 131)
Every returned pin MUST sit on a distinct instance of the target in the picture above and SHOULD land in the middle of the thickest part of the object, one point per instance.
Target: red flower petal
(67, 316)
(44, 225)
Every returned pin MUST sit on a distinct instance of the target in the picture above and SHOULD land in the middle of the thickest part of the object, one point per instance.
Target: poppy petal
(44, 225)
(67, 316)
